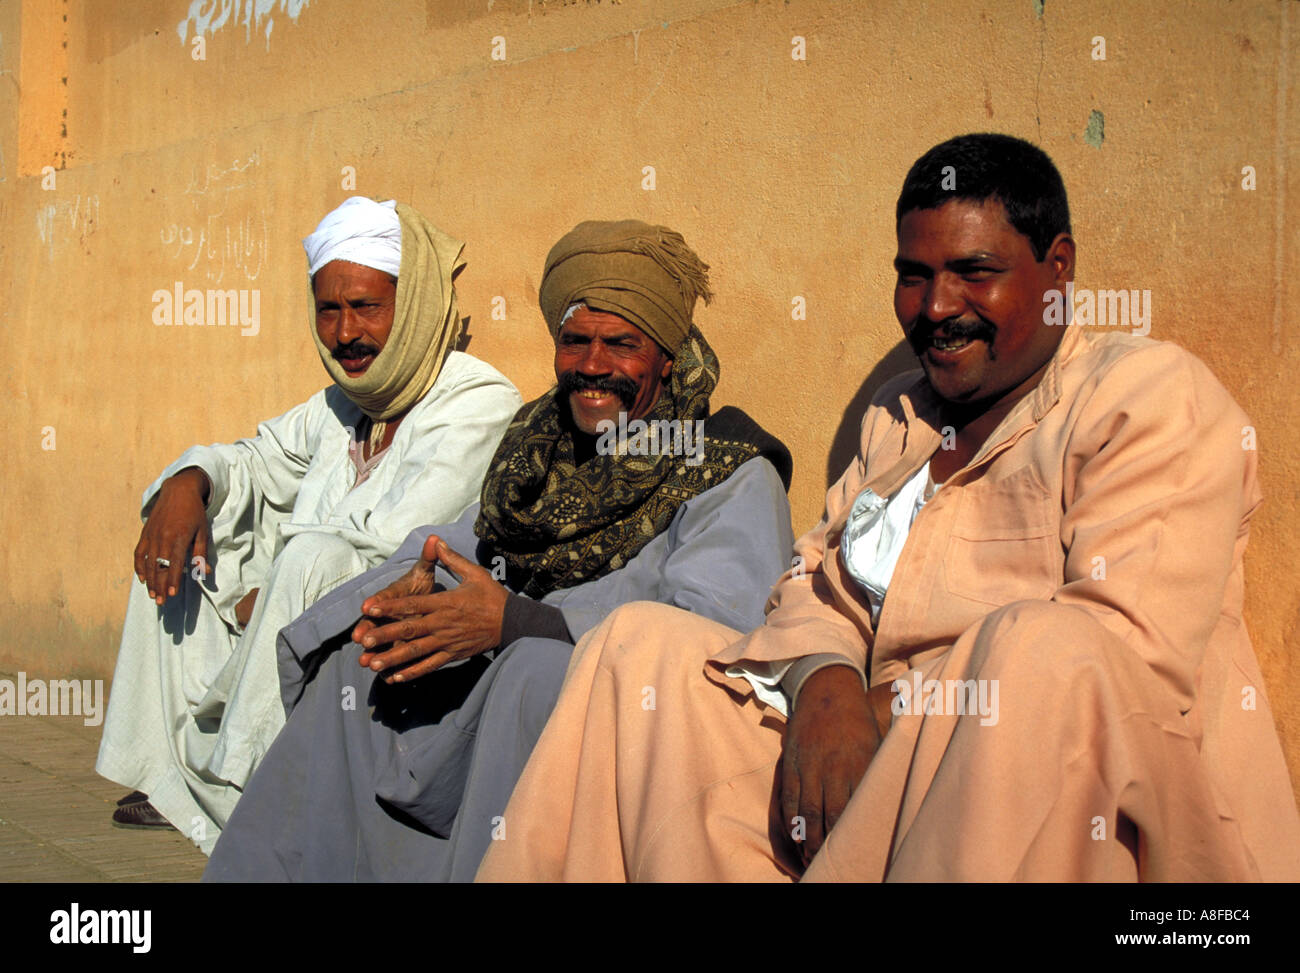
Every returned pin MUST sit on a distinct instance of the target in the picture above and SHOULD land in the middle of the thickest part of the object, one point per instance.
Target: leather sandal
(142, 815)
(135, 797)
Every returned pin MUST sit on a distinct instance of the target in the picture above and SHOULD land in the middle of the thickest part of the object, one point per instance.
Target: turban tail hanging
(426, 324)
(559, 523)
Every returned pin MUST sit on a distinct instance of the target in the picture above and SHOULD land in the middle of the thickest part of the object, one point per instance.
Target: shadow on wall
(845, 444)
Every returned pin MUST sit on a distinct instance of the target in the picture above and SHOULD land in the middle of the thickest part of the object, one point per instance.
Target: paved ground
(55, 810)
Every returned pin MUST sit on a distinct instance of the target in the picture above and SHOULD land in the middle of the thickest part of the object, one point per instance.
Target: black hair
(985, 166)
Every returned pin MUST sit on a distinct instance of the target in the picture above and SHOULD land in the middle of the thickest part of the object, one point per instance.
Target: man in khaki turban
(616, 485)
(240, 538)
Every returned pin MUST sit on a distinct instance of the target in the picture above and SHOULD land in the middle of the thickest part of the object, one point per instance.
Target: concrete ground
(55, 812)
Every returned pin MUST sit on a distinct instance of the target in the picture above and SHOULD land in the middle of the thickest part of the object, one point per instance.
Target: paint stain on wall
(81, 214)
(1095, 133)
(210, 16)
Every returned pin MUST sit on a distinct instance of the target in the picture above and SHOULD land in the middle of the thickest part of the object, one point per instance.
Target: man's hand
(434, 627)
(177, 524)
(829, 742)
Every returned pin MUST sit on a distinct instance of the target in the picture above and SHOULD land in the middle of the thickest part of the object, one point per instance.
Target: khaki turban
(645, 274)
(426, 325)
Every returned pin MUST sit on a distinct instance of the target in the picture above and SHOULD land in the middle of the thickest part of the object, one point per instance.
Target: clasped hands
(409, 629)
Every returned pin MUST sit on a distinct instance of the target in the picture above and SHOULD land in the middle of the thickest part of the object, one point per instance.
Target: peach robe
(1088, 559)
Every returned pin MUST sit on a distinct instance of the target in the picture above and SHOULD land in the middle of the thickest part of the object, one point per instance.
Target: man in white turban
(239, 539)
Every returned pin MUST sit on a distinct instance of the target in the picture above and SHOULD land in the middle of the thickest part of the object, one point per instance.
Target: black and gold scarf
(559, 523)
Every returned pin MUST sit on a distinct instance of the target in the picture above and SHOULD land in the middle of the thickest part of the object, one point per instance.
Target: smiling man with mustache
(1049, 517)
(240, 538)
(460, 642)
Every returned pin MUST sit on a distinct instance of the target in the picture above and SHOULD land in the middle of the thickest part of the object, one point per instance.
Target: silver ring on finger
(162, 562)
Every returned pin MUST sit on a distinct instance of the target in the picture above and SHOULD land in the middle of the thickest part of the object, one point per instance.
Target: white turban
(360, 231)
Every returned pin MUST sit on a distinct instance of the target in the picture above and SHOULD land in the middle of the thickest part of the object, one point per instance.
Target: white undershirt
(873, 539)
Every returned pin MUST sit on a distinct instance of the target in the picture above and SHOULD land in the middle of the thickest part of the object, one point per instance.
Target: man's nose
(349, 325)
(943, 298)
(595, 360)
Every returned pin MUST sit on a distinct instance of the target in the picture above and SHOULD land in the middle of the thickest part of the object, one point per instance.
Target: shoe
(135, 797)
(143, 815)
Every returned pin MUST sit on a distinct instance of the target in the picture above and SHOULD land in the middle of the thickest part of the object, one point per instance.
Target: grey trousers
(371, 782)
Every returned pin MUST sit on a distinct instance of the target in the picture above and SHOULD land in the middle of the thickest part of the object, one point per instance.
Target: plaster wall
(161, 141)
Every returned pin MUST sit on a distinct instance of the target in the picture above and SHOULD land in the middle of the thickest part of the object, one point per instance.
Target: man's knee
(533, 660)
(529, 675)
(314, 558)
(1044, 650)
(650, 634)
(410, 548)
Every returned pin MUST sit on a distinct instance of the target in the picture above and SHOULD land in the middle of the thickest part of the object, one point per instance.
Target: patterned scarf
(562, 524)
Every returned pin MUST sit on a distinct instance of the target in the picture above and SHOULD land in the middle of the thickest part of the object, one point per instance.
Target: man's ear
(1060, 257)
(666, 370)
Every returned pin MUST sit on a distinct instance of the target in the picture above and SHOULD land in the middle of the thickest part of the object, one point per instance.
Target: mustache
(624, 388)
(923, 332)
(354, 350)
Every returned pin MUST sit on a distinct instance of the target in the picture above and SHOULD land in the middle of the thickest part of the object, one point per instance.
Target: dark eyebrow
(620, 336)
(352, 299)
(973, 259)
(903, 265)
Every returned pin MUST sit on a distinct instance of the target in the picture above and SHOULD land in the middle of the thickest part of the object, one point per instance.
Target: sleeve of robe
(1159, 492)
(718, 557)
(449, 439)
(253, 486)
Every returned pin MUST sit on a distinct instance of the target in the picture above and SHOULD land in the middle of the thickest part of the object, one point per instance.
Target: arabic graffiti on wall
(210, 16)
(208, 234)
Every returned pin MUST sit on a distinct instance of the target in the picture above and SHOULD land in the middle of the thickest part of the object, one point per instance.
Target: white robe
(195, 702)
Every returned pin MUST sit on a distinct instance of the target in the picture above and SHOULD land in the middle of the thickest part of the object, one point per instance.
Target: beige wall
(782, 173)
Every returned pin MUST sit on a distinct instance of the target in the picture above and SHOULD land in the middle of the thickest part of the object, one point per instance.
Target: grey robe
(372, 782)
